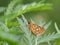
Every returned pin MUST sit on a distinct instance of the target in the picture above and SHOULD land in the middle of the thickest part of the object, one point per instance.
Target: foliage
(15, 30)
(15, 9)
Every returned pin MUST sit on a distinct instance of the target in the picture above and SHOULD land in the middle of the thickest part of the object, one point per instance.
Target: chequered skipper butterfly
(35, 28)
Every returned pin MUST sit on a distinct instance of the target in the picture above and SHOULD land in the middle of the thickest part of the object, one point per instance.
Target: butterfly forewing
(35, 28)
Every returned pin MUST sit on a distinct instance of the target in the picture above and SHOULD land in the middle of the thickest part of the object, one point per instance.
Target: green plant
(37, 39)
(13, 32)
(27, 38)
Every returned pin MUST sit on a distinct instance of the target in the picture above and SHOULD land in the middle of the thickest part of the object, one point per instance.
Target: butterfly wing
(35, 28)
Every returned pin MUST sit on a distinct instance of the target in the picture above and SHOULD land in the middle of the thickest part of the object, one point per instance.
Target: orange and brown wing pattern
(35, 28)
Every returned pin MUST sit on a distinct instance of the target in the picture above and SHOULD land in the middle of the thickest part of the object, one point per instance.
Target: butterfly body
(35, 28)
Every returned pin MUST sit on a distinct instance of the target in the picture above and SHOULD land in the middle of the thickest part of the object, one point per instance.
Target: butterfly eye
(35, 28)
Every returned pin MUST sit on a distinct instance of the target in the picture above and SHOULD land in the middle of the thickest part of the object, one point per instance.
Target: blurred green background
(53, 14)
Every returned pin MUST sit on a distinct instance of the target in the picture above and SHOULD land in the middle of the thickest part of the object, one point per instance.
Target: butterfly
(36, 29)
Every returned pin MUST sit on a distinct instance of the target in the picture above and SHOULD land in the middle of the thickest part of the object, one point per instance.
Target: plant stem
(49, 43)
(36, 40)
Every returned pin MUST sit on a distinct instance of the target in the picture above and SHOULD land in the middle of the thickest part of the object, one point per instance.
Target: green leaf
(15, 9)
(10, 38)
(4, 27)
(2, 9)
